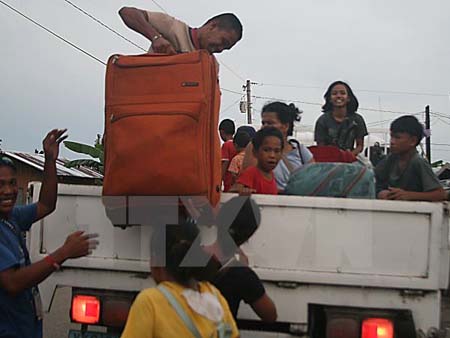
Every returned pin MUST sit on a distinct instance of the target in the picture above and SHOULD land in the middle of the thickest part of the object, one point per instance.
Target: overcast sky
(293, 49)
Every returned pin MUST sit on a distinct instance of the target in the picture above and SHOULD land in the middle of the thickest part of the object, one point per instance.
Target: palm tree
(96, 152)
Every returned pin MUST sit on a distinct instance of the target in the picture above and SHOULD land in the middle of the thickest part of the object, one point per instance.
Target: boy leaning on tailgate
(404, 174)
(171, 36)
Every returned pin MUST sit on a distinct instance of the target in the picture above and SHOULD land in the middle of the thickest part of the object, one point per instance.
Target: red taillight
(85, 309)
(377, 328)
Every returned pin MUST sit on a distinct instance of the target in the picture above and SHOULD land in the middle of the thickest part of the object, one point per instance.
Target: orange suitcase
(161, 119)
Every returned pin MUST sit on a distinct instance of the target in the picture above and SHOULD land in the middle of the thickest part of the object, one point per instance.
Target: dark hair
(174, 242)
(227, 21)
(285, 113)
(227, 126)
(240, 226)
(241, 139)
(352, 105)
(408, 124)
(266, 132)
(248, 129)
(7, 162)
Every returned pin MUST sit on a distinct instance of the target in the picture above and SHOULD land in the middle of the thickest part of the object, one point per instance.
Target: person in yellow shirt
(181, 305)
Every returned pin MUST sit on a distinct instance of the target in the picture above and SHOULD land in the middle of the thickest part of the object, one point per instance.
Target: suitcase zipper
(115, 118)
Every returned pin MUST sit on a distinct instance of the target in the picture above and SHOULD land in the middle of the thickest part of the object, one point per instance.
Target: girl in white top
(295, 155)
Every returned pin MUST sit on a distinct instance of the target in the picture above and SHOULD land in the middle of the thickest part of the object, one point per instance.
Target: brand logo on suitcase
(190, 84)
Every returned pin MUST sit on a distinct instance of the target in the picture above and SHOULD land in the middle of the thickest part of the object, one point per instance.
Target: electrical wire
(230, 91)
(440, 115)
(285, 100)
(161, 7)
(231, 105)
(52, 33)
(231, 70)
(320, 104)
(372, 124)
(441, 144)
(360, 90)
(104, 25)
(443, 121)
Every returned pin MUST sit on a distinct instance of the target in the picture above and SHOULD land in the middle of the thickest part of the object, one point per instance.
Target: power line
(104, 25)
(231, 91)
(441, 144)
(443, 121)
(231, 105)
(374, 123)
(360, 90)
(385, 111)
(231, 70)
(441, 115)
(161, 7)
(320, 104)
(52, 33)
(278, 99)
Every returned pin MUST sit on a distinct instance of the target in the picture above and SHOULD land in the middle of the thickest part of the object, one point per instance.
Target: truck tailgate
(301, 239)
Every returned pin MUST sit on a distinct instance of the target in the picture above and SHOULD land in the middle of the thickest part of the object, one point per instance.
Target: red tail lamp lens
(85, 309)
(377, 328)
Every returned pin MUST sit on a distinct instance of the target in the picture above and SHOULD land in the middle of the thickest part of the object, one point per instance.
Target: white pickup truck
(334, 267)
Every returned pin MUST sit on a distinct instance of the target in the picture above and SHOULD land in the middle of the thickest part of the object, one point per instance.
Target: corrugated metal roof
(37, 161)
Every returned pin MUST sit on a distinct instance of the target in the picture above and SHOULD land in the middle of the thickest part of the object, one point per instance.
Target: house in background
(30, 167)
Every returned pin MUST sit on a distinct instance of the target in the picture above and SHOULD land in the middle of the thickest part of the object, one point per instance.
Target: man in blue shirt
(20, 309)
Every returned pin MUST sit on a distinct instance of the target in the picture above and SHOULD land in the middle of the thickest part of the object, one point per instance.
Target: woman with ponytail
(181, 305)
(282, 116)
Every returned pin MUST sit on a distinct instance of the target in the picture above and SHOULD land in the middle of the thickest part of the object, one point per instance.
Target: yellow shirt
(151, 315)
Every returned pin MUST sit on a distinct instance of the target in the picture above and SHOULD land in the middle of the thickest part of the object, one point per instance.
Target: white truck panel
(316, 240)
(342, 252)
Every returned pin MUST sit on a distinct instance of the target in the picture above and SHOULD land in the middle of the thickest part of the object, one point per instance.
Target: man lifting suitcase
(170, 35)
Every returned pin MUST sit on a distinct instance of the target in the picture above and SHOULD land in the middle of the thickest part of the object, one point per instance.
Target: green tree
(96, 152)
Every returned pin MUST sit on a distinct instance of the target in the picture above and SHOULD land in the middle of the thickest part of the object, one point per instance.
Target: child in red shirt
(226, 131)
(268, 149)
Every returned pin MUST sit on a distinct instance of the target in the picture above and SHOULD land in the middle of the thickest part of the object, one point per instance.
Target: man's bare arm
(137, 20)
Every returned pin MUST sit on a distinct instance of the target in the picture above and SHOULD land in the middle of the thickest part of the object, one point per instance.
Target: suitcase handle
(150, 60)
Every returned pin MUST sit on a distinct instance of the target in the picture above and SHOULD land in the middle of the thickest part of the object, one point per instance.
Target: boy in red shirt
(268, 148)
(226, 131)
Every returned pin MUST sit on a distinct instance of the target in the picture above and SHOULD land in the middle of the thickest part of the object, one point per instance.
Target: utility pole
(249, 102)
(428, 136)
